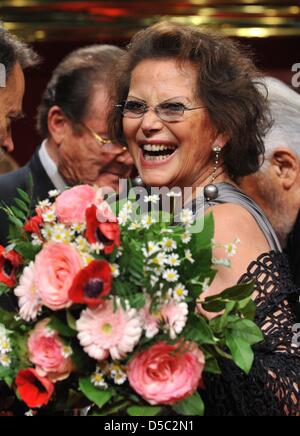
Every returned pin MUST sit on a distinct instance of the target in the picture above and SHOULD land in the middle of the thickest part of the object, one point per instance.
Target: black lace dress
(273, 385)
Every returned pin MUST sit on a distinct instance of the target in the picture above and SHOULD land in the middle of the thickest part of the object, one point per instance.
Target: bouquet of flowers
(107, 314)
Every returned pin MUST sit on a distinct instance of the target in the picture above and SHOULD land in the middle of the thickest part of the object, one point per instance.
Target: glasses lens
(171, 111)
(133, 109)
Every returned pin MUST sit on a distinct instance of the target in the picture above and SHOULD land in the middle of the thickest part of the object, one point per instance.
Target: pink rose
(55, 269)
(49, 354)
(71, 205)
(166, 374)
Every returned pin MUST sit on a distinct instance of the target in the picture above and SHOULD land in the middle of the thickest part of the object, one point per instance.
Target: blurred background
(270, 27)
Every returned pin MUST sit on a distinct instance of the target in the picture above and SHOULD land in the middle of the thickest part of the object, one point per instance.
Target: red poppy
(33, 225)
(92, 284)
(9, 262)
(107, 233)
(34, 390)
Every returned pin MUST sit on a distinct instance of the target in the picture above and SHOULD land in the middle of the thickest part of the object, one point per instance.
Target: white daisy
(29, 300)
(120, 378)
(134, 226)
(125, 213)
(82, 244)
(187, 217)
(231, 249)
(5, 360)
(154, 199)
(206, 284)
(151, 248)
(180, 293)
(173, 260)
(44, 204)
(47, 232)
(5, 345)
(189, 256)
(29, 413)
(49, 216)
(115, 269)
(186, 238)
(54, 193)
(36, 241)
(96, 248)
(67, 351)
(98, 380)
(148, 221)
(86, 259)
(171, 275)
(169, 244)
(160, 259)
(78, 228)
(61, 234)
(174, 194)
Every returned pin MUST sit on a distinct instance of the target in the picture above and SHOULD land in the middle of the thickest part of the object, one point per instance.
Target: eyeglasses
(102, 141)
(167, 111)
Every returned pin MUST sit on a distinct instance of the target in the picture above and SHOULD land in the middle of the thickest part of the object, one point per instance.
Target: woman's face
(168, 153)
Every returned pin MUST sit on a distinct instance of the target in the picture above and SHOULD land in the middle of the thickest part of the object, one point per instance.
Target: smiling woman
(187, 104)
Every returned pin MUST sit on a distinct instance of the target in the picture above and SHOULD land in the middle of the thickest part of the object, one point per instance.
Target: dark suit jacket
(8, 191)
(20, 179)
(293, 251)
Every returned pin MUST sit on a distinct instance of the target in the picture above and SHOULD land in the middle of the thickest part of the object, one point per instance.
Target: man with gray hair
(276, 186)
(15, 56)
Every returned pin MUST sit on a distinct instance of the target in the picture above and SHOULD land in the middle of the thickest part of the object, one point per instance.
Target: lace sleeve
(272, 387)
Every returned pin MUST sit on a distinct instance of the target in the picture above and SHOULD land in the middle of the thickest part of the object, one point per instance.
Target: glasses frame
(102, 141)
(155, 110)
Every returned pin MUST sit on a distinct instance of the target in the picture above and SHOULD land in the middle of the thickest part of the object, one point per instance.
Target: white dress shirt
(51, 169)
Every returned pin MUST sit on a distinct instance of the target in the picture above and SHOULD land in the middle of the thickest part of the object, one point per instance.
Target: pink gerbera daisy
(29, 299)
(105, 331)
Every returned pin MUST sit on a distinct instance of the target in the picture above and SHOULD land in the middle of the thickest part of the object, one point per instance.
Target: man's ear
(286, 166)
(57, 124)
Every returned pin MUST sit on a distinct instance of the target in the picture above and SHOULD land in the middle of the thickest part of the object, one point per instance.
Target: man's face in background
(11, 100)
(82, 157)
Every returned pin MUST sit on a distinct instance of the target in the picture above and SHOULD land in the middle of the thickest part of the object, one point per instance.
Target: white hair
(284, 104)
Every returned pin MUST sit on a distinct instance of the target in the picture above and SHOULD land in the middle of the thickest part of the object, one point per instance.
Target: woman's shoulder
(233, 221)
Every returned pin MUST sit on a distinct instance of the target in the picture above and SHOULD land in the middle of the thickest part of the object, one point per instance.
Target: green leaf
(71, 320)
(212, 366)
(22, 205)
(24, 196)
(247, 331)
(62, 328)
(27, 250)
(100, 398)
(241, 351)
(247, 308)
(192, 406)
(18, 213)
(143, 411)
(137, 301)
(214, 306)
(4, 289)
(198, 331)
(238, 292)
(16, 221)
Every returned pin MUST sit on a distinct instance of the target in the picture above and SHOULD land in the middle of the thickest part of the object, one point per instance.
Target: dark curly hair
(227, 85)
